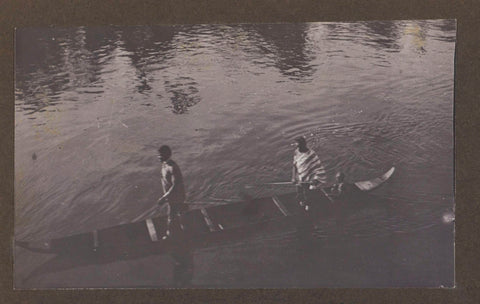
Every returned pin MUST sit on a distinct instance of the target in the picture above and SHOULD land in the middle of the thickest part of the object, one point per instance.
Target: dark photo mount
(466, 13)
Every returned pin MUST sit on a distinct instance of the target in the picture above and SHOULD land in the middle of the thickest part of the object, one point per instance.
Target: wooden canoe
(203, 227)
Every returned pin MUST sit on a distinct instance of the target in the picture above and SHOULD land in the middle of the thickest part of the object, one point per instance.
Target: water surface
(94, 104)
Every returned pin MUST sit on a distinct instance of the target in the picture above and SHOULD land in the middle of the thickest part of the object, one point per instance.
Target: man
(173, 192)
(308, 172)
(341, 189)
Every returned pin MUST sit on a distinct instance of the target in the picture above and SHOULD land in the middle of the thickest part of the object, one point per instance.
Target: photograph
(252, 155)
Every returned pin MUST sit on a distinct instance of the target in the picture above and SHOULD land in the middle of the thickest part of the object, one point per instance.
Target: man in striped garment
(308, 172)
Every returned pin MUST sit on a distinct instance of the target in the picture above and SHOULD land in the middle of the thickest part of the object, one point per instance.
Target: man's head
(164, 153)
(301, 143)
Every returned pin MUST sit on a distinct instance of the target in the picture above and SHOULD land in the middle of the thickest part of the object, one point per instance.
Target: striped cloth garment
(309, 167)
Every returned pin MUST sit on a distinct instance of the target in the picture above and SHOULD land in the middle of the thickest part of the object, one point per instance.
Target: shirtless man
(173, 192)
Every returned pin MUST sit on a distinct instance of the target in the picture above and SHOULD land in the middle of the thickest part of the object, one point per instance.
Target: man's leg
(300, 195)
(307, 196)
(182, 208)
(175, 219)
(170, 216)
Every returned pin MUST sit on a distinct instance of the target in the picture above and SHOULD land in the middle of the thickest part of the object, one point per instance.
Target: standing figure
(173, 192)
(308, 172)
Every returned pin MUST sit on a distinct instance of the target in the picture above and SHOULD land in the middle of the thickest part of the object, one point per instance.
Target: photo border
(61, 13)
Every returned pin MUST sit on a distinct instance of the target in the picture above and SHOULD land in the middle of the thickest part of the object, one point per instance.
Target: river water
(94, 104)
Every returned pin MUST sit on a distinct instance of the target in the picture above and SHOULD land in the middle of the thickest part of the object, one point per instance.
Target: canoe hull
(202, 227)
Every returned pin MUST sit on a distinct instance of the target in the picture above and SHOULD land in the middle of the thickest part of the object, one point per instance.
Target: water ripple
(364, 94)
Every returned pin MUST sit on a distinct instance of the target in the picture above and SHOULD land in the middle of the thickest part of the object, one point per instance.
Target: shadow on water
(150, 50)
(147, 47)
(447, 28)
(184, 94)
(381, 35)
(50, 62)
(72, 258)
(288, 43)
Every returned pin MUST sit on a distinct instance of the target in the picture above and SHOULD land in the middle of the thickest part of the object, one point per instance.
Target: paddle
(150, 210)
(289, 184)
(276, 184)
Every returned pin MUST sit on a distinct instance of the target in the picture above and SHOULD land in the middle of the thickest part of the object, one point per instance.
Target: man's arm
(294, 174)
(169, 191)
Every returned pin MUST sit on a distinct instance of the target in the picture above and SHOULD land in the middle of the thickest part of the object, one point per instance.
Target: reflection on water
(146, 47)
(183, 94)
(286, 43)
(94, 104)
(384, 35)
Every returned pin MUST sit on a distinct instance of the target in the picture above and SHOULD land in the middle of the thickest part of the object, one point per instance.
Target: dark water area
(94, 104)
